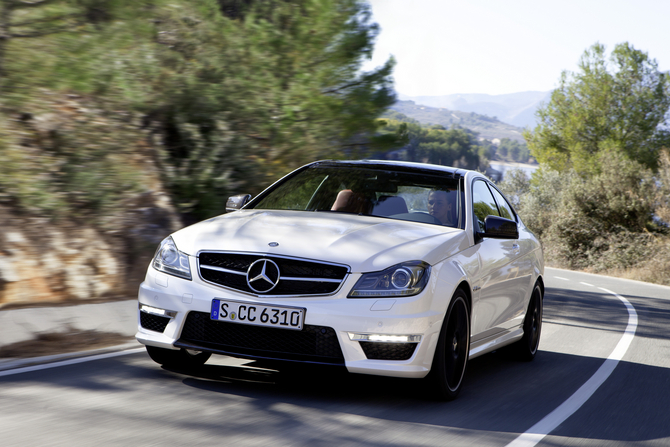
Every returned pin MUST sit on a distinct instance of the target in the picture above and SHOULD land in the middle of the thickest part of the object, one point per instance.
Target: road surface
(602, 377)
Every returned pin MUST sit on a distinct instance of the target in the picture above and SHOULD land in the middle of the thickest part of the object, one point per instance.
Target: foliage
(231, 93)
(434, 144)
(397, 116)
(616, 106)
(513, 150)
(662, 201)
(33, 20)
(73, 163)
(601, 222)
(516, 185)
(280, 85)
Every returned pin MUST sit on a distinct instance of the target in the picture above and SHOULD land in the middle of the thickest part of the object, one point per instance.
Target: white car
(387, 268)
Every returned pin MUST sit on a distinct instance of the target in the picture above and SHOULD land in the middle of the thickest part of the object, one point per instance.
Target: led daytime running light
(157, 311)
(385, 338)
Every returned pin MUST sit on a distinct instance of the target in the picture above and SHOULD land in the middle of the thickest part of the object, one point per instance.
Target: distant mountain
(486, 126)
(517, 109)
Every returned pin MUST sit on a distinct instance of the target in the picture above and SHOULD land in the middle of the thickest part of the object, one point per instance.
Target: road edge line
(635, 281)
(537, 432)
(72, 361)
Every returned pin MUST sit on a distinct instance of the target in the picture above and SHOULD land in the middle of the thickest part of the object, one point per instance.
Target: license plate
(258, 314)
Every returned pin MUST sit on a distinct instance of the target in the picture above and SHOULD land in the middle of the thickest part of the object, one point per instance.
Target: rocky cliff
(82, 203)
(43, 261)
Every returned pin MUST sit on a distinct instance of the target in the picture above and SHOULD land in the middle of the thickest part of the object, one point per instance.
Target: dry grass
(655, 270)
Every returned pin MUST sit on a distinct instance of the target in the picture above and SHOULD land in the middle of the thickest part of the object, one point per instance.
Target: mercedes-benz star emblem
(263, 276)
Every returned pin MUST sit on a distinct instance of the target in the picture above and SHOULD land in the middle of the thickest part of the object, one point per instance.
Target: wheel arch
(540, 281)
(465, 286)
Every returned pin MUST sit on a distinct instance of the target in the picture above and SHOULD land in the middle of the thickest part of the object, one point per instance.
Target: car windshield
(412, 196)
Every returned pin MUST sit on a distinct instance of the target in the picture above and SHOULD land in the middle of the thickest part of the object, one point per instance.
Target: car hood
(365, 243)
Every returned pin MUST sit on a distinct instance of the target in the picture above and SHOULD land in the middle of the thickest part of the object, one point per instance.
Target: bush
(600, 223)
(64, 158)
(663, 189)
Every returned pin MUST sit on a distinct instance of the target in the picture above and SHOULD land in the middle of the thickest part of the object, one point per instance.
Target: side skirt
(491, 344)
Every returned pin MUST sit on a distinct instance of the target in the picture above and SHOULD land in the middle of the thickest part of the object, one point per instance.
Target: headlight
(171, 261)
(406, 279)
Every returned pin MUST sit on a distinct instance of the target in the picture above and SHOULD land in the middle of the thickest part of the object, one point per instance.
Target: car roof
(405, 166)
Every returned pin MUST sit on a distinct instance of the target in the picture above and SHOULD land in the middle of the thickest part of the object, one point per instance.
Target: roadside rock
(42, 261)
(82, 202)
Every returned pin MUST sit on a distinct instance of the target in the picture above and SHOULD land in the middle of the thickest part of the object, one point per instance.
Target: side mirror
(500, 228)
(235, 203)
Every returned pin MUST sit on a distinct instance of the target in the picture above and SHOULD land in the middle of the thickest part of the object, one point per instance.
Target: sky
(496, 47)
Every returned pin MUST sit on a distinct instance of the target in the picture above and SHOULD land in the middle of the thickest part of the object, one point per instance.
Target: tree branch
(344, 87)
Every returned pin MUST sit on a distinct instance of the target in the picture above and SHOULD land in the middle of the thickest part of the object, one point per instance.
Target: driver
(441, 208)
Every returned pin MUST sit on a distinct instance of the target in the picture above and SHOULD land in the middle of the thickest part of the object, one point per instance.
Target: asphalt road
(129, 400)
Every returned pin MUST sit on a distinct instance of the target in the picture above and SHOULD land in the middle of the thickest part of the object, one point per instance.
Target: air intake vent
(153, 322)
(388, 351)
(316, 344)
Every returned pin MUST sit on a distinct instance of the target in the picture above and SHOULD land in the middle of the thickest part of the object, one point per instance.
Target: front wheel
(526, 348)
(177, 358)
(453, 349)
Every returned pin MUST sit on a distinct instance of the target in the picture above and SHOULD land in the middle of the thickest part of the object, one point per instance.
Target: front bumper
(177, 306)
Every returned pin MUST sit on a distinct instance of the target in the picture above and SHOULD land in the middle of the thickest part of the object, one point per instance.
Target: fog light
(156, 311)
(385, 338)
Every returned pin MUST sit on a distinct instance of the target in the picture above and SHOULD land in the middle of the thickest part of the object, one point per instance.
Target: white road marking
(562, 279)
(11, 372)
(586, 284)
(538, 431)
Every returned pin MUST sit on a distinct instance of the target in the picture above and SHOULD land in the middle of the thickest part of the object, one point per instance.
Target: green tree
(618, 105)
(273, 88)
(30, 19)
(434, 144)
(603, 221)
(514, 150)
(230, 93)
(237, 93)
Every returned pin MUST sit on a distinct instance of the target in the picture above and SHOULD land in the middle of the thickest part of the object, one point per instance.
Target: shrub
(65, 159)
(602, 222)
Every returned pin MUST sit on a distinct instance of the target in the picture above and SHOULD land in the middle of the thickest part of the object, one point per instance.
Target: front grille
(312, 344)
(388, 351)
(153, 322)
(297, 276)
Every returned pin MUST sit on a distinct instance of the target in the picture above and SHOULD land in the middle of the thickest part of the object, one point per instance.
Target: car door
(499, 305)
(523, 259)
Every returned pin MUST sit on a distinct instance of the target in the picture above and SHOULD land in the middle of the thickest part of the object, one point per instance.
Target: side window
(504, 207)
(483, 204)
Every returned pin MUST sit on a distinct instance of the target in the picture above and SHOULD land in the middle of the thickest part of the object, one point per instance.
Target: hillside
(517, 109)
(121, 121)
(487, 127)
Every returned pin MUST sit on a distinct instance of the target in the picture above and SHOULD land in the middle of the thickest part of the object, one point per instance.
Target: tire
(526, 348)
(177, 358)
(453, 349)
